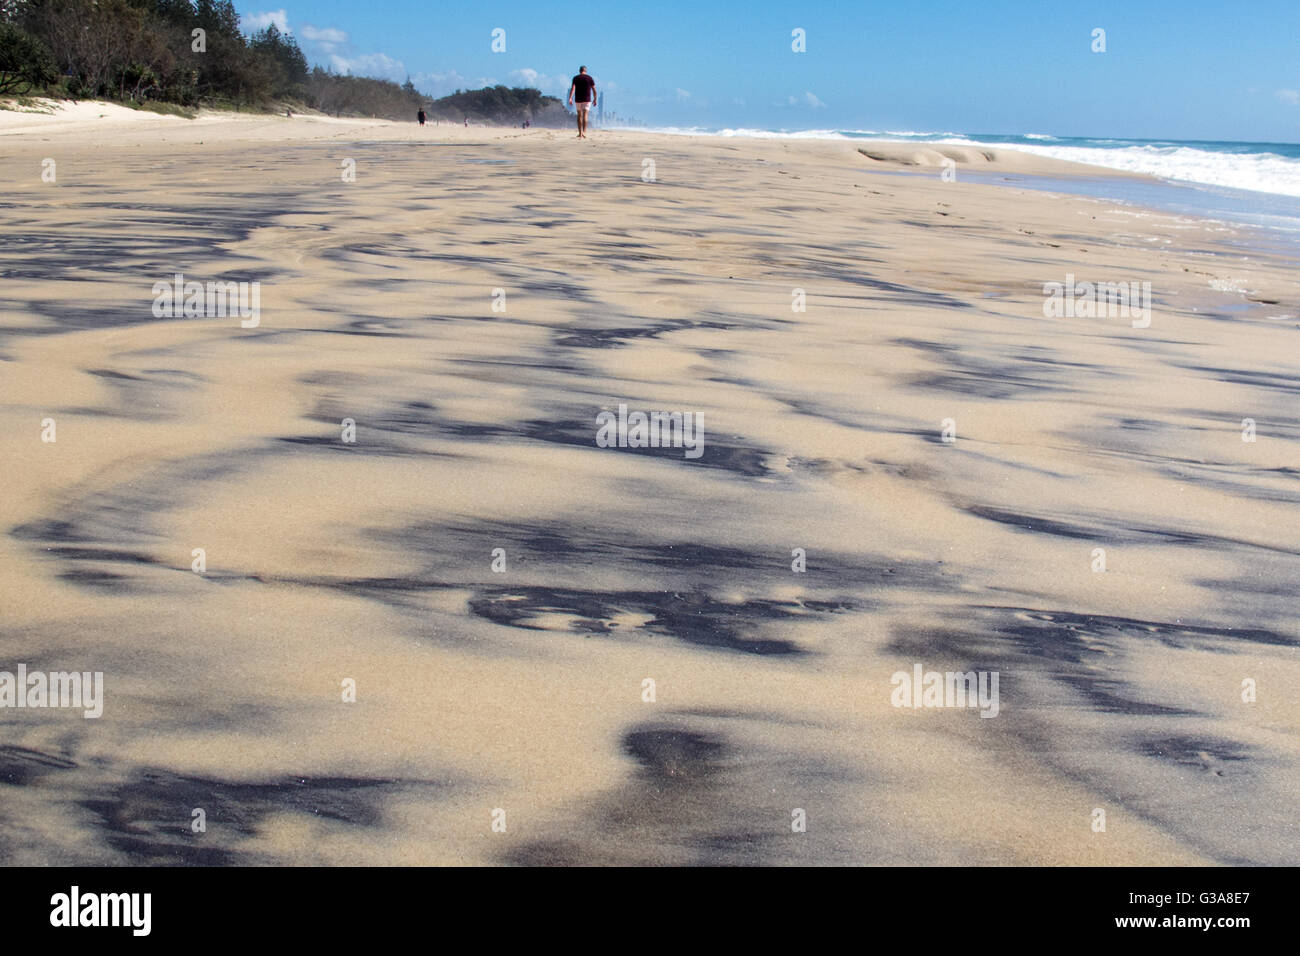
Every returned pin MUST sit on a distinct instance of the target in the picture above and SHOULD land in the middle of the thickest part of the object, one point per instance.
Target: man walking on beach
(583, 89)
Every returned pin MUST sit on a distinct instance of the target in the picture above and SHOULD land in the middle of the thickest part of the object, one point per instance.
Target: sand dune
(521, 687)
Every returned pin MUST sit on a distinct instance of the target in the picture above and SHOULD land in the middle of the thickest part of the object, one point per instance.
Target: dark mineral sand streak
(522, 690)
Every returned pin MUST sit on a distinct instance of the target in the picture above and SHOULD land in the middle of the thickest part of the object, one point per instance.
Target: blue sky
(1201, 69)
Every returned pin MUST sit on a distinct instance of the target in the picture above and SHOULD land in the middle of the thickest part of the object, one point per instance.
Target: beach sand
(522, 689)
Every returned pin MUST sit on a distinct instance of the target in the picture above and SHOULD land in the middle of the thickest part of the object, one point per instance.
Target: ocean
(1253, 183)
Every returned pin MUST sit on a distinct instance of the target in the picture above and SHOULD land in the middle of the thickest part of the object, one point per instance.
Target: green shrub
(25, 62)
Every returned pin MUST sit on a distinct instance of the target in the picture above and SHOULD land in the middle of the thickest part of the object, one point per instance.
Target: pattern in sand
(522, 689)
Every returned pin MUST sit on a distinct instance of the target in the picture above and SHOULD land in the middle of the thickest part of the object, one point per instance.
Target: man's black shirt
(583, 85)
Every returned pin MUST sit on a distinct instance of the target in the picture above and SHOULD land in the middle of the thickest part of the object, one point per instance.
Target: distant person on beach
(421, 117)
(582, 97)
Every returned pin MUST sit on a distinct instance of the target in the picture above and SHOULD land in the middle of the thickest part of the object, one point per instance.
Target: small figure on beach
(583, 89)
(421, 117)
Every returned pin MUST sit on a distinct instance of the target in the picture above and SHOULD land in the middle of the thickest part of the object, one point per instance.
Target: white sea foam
(1256, 172)
(1231, 285)
(1259, 172)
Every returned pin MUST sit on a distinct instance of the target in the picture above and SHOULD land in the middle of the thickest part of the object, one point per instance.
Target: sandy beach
(884, 402)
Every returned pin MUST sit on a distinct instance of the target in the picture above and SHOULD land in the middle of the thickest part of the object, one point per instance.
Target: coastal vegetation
(180, 54)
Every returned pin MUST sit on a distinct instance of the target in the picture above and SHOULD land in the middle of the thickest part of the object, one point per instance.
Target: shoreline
(1005, 166)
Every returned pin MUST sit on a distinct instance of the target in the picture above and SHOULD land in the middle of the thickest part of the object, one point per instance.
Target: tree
(218, 17)
(24, 61)
(284, 59)
(12, 11)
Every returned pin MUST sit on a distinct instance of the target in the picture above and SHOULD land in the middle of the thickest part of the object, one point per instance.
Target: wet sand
(521, 689)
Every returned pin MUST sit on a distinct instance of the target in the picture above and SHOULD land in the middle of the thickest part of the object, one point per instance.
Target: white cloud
(683, 95)
(808, 99)
(554, 84)
(260, 21)
(1289, 96)
(379, 65)
(326, 35)
(327, 40)
(331, 45)
(440, 84)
